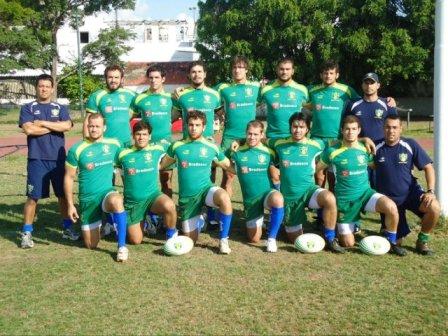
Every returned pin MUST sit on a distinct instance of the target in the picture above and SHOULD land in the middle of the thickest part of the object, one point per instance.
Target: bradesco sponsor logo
(353, 173)
(93, 165)
(186, 164)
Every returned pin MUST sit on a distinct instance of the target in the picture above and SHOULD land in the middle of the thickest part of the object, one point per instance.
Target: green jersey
(350, 169)
(297, 163)
(240, 105)
(203, 99)
(252, 166)
(281, 102)
(155, 109)
(194, 163)
(117, 108)
(95, 164)
(140, 171)
(328, 104)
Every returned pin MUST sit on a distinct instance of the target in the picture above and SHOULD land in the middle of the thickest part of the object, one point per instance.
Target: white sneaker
(70, 234)
(27, 240)
(122, 254)
(224, 246)
(271, 245)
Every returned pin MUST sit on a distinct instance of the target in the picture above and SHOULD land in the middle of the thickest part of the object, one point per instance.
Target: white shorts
(103, 202)
(292, 229)
(90, 227)
(193, 224)
(255, 223)
(209, 198)
(312, 204)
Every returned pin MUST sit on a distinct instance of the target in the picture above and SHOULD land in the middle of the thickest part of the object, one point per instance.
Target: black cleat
(423, 248)
(398, 250)
(334, 246)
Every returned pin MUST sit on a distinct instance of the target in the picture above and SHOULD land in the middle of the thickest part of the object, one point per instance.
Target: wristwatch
(430, 191)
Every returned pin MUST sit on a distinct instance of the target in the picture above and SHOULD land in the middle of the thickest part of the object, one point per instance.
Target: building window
(84, 37)
(148, 34)
(163, 34)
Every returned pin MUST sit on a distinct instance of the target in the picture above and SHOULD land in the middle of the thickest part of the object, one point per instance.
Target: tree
(391, 37)
(69, 83)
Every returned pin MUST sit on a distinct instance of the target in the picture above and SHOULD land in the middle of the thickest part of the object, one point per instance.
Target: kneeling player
(94, 159)
(350, 160)
(194, 156)
(140, 166)
(296, 156)
(252, 162)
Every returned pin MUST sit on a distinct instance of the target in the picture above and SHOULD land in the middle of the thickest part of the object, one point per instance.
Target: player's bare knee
(276, 199)
(435, 208)
(135, 240)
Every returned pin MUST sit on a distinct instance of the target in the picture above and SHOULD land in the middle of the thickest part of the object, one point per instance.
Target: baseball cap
(371, 75)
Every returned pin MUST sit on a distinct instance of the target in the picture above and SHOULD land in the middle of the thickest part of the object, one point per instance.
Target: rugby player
(194, 156)
(140, 167)
(93, 159)
(394, 160)
(252, 162)
(349, 159)
(44, 123)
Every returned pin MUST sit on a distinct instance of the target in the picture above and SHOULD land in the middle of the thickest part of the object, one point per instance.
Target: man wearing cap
(371, 109)
(395, 158)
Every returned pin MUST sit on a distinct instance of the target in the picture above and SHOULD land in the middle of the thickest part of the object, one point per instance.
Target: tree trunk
(54, 63)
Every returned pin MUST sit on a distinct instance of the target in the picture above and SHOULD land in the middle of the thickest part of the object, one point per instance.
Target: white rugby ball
(374, 245)
(178, 245)
(309, 243)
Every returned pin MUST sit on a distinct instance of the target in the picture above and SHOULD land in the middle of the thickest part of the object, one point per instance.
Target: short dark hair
(393, 117)
(195, 114)
(240, 59)
(44, 77)
(114, 67)
(350, 119)
(329, 65)
(285, 60)
(255, 123)
(195, 63)
(300, 116)
(140, 126)
(156, 68)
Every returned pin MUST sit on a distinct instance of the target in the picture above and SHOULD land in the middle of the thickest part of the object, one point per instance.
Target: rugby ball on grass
(178, 245)
(374, 245)
(309, 243)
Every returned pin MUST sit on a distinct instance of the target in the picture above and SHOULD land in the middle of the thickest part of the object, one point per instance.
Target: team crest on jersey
(206, 99)
(285, 163)
(275, 106)
(108, 109)
(163, 101)
(203, 152)
(148, 156)
(30, 188)
(261, 158)
(131, 171)
(303, 150)
(90, 166)
(292, 95)
(122, 99)
(106, 149)
(335, 96)
(55, 112)
(249, 92)
(184, 164)
(379, 113)
(361, 159)
(232, 106)
(244, 170)
(403, 157)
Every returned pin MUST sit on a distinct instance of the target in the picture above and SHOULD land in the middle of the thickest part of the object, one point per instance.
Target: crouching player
(194, 156)
(93, 159)
(296, 157)
(252, 163)
(140, 166)
(350, 160)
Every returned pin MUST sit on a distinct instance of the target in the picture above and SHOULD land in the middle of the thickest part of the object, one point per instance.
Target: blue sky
(160, 9)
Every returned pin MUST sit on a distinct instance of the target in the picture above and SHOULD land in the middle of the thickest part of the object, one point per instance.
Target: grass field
(61, 288)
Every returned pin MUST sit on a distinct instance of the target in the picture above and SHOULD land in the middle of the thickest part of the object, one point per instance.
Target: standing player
(154, 107)
(194, 156)
(44, 122)
(371, 109)
(395, 158)
(350, 160)
(252, 162)
(296, 157)
(93, 159)
(140, 166)
(239, 100)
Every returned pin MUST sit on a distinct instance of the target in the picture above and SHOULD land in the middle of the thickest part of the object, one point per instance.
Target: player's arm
(30, 128)
(391, 102)
(85, 131)
(227, 165)
(430, 177)
(321, 166)
(370, 145)
(55, 126)
(69, 179)
(166, 161)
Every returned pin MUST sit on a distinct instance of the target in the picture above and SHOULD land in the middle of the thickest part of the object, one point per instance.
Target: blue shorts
(411, 203)
(40, 174)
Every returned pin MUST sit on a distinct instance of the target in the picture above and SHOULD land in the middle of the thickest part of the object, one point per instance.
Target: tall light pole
(193, 9)
(77, 18)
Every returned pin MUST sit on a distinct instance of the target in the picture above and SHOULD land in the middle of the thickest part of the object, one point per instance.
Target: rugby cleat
(70, 234)
(26, 240)
(271, 245)
(334, 246)
(423, 248)
(224, 247)
(122, 254)
(398, 250)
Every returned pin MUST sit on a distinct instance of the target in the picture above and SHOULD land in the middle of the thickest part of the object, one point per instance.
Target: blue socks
(211, 215)
(391, 237)
(170, 233)
(120, 221)
(224, 222)
(109, 218)
(66, 223)
(27, 228)
(276, 186)
(276, 220)
(329, 234)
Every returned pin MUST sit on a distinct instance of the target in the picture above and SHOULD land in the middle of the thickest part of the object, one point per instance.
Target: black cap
(371, 75)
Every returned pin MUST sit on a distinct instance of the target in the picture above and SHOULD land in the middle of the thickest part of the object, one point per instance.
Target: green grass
(60, 287)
